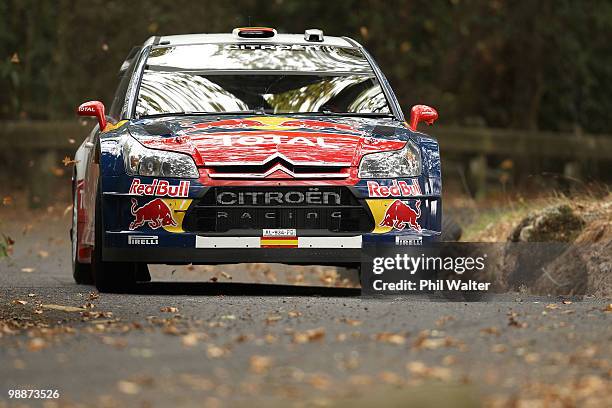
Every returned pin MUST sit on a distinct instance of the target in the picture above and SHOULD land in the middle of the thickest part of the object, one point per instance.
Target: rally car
(250, 146)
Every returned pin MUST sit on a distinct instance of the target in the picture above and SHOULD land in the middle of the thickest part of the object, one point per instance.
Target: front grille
(223, 209)
(292, 170)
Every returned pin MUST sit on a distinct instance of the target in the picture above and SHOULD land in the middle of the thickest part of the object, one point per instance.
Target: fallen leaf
(7, 200)
(271, 319)
(260, 364)
(309, 335)
(567, 302)
(168, 309)
(499, 348)
(393, 338)
(172, 329)
(360, 380)
(608, 308)
(20, 302)
(15, 58)
(319, 381)
(114, 342)
(512, 321)
(293, 313)
(490, 330)
(28, 270)
(190, 340)
(433, 344)
(390, 377)
(340, 337)
(63, 308)
(216, 352)
(419, 369)
(128, 387)
(36, 344)
(443, 320)
(351, 322)
(532, 358)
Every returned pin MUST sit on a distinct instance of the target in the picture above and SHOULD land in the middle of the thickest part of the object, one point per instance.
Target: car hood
(217, 141)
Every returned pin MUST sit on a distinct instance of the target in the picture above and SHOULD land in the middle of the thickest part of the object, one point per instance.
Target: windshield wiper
(357, 114)
(195, 113)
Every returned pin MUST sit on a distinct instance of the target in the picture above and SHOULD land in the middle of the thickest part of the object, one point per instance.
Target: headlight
(398, 163)
(156, 163)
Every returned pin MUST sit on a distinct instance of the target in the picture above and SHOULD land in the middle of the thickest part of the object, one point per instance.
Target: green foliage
(530, 64)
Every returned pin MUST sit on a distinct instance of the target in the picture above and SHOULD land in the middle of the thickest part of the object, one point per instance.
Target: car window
(220, 78)
(125, 74)
(277, 57)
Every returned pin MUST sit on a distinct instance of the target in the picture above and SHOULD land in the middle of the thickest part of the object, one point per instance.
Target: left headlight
(397, 163)
(142, 161)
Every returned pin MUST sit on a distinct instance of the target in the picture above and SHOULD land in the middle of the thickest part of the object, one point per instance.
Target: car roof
(225, 38)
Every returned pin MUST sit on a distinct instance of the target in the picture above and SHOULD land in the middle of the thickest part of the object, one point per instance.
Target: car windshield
(276, 79)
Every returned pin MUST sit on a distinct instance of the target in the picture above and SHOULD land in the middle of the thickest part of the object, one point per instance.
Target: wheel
(114, 277)
(142, 273)
(451, 231)
(80, 272)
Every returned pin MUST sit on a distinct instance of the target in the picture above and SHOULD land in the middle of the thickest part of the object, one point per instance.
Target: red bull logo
(399, 215)
(160, 188)
(156, 213)
(396, 189)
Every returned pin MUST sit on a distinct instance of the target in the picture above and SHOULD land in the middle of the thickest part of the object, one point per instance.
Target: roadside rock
(585, 268)
(537, 241)
(553, 224)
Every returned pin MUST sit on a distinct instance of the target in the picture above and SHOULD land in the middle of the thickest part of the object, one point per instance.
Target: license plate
(280, 232)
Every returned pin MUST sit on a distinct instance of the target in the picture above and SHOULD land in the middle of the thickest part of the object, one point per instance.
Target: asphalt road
(185, 340)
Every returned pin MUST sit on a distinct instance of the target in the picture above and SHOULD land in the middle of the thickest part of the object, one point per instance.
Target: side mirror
(422, 113)
(93, 108)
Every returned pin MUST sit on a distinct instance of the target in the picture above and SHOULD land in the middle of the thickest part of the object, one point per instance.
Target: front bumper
(184, 248)
(145, 227)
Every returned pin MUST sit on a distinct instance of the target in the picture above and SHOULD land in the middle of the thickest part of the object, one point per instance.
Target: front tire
(81, 272)
(113, 277)
(451, 231)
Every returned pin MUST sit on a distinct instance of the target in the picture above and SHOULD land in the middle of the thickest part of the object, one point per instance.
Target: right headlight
(142, 161)
(397, 163)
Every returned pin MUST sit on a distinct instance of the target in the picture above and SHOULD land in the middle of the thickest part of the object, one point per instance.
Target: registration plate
(279, 232)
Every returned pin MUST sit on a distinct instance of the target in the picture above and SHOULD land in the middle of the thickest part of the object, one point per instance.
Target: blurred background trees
(531, 64)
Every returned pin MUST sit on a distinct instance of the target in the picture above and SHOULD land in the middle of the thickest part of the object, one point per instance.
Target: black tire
(80, 272)
(113, 277)
(142, 272)
(451, 231)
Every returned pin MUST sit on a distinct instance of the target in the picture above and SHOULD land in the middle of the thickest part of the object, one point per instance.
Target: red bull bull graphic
(155, 213)
(399, 215)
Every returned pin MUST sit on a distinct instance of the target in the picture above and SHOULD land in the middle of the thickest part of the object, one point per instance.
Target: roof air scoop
(254, 32)
(313, 35)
